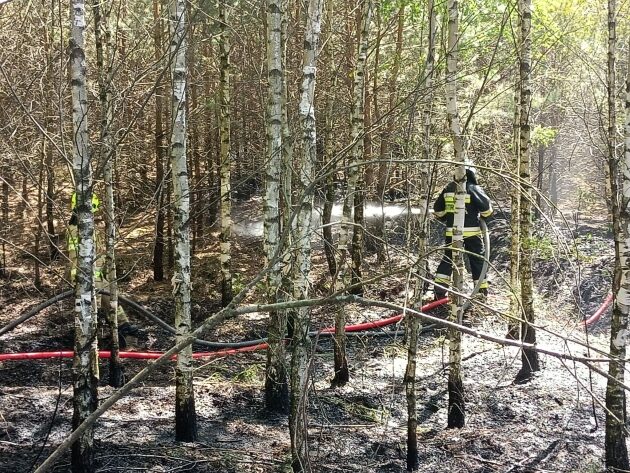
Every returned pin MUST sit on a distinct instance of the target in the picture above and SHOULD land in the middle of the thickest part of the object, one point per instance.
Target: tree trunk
(5, 218)
(286, 191)
(615, 440)
(356, 181)
(104, 52)
(422, 195)
(276, 387)
(540, 171)
(456, 405)
(224, 138)
(529, 357)
(158, 248)
(298, 417)
(342, 374)
(329, 151)
(85, 363)
(48, 150)
(37, 223)
(515, 227)
(185, 416)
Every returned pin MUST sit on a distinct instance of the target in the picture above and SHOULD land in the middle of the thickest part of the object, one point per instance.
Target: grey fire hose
(486, 258)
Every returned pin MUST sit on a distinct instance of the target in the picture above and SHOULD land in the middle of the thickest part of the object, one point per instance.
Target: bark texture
(158, 248)
(85, 364)
(422, 200)
(456, 408)
(298, 417)
(224, 138)
(515, 227)
(276, 385)
(185, 416)
(615, 439)
(343, 279)
(529, 357)
(104, 50)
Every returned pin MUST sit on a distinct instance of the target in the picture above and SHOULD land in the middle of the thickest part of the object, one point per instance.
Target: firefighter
(125, 329)
(478, 206)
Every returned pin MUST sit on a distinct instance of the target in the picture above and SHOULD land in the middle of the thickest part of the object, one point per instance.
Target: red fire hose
(211, 354)
(598, 314)
(214, 354)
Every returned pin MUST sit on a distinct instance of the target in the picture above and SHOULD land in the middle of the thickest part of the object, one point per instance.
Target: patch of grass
(251, 375)
(395, 350)
(358, 410)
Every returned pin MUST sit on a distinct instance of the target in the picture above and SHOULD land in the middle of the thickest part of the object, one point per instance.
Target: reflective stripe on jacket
(477, 204)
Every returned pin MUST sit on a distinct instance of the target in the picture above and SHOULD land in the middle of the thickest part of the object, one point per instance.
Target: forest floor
(550, 424)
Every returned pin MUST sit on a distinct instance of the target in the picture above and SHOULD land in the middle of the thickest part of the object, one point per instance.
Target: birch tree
(529, 357)
(615, 439)
(85, 364)
(276, 386)
(224, 139)
(298, 417)
(185, 416)
(456, 405)
(356, 172)
(422, 245)
(342, 374)
(104, 51)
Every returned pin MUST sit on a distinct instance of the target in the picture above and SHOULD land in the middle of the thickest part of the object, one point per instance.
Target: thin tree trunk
(456, 402)
(224, 138)
(540, 171)
(5, 218)
(85, 363)
(529, 357)
(185, 415)
(158, 249)
(342, 374)
(329, 192)
(422, 245)
(48, 150)
(39, 216)
(298, 416)
(286, 191)
(515, 227)
(356, 181)
(615, 439)
(276, 386)
(104, 51)
(210, 146)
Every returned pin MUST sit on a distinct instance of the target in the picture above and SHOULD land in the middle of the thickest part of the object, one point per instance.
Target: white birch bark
(422, 244)
(529, 357)
(343, 278)
(104, 50)
(85, 364)
(276, 386)
(615, 439)
(224, 139)
(298, 418)
(456, 409)
(185, 416)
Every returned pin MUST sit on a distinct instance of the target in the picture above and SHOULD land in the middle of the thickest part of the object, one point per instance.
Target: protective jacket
(100, 276)
(477, 204)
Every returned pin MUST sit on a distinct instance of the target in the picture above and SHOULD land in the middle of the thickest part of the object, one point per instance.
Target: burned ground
(549, 424)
